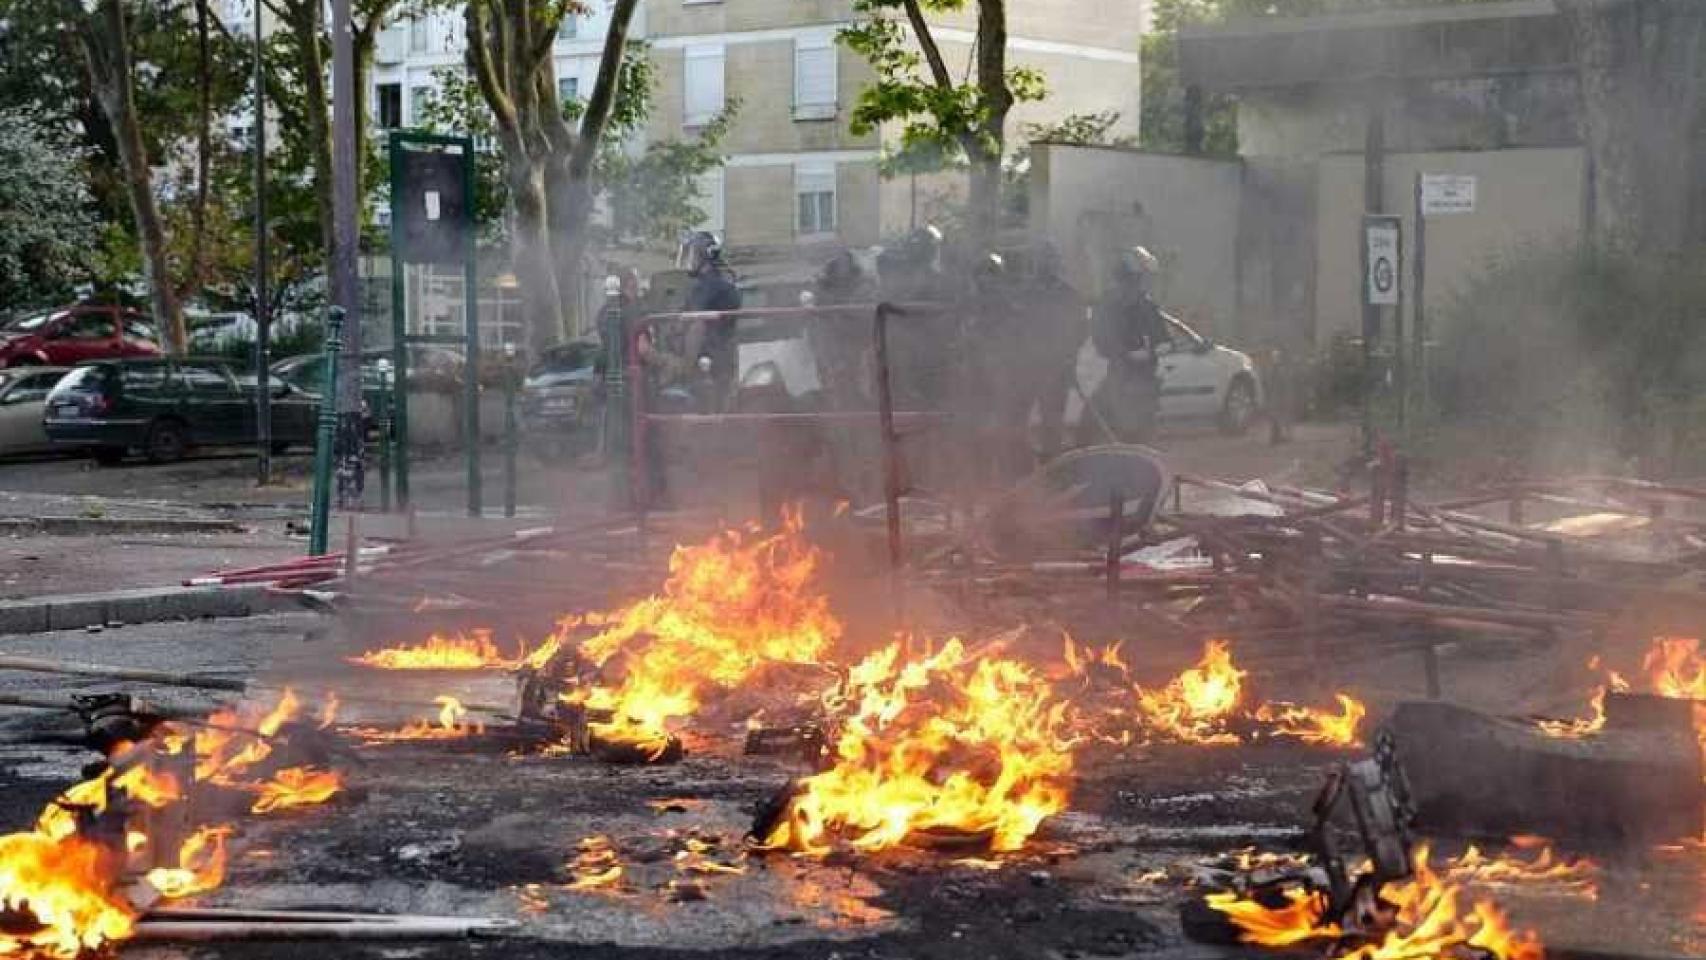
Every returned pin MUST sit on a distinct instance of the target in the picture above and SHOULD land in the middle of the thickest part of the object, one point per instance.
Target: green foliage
(939, 125)
(1577, 357)
(652, 196)
(46, 227)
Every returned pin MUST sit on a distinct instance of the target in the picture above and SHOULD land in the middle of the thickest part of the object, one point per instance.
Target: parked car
(427, 365)
(23, 396)
(163, 407)
(1201, 382)
(71, 335)
(561, 399)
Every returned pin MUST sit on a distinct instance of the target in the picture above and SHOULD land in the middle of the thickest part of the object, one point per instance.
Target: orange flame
(730, 607)
(1675, 668)
(66, 887)
(936, 744)
(1425, 921)
(201, 865)
(1316, 726)
(451, 725)
(1193, 706)
(1545, 869)
(296, 787)
(597, 866)
(461, 652)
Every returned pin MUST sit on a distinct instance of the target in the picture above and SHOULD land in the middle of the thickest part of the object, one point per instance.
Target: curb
(117, 526)
(145, 605)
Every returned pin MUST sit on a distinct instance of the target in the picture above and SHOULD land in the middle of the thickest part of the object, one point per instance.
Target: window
(418, 30)
(390, 106)
(814, 78)
(568, 90)
(419, 97)
(141, 330)
(814, 191)
(145, 377)
(710, 201)
(569, 28)
(91, 326)
(205, 378)
(703, 75)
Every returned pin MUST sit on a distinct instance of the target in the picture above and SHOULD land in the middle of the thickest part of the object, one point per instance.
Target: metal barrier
(888, 420)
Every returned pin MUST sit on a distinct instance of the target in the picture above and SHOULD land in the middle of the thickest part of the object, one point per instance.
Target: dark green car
(163, 407)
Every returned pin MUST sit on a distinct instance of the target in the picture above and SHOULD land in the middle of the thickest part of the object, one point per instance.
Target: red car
(69, 335)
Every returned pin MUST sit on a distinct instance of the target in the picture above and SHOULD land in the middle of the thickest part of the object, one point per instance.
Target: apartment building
(798, 182)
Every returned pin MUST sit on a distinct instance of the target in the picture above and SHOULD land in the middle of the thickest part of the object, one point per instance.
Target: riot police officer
(1127, 329)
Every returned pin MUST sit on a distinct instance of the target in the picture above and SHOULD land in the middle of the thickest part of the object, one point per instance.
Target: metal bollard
(512, 437)
(321, 510)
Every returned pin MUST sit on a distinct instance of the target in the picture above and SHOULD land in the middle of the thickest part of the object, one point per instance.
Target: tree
(304, 95)
(939, 116)
(1638, 70)
(46, 225)
(548, 158)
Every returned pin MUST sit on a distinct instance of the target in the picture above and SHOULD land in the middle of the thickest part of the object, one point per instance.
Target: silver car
(23, 391)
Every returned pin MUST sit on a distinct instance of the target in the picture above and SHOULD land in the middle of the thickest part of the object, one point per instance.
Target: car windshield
(33, 322)
(566, 358)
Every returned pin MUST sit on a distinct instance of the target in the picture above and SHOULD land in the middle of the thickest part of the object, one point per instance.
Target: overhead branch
(603, 98)
(480, 63)
(927, 42)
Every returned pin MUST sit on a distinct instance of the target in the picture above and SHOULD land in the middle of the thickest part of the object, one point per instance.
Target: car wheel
(1239, 409)
(109, 456)
(166, 442)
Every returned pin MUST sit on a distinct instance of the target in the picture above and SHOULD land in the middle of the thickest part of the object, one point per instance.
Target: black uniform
(714, 291)
(1126, 330)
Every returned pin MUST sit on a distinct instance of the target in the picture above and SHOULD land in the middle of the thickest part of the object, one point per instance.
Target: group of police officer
(997, 342)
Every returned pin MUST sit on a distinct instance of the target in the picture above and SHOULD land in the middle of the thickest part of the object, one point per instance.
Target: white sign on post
(1382, 256)
(1447, 193)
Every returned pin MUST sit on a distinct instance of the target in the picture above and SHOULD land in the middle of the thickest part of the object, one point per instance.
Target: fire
(1546, 869)
(1194, 705)
(62, 891)
(201, 865)
(1316, 726)
(296, 787)
(1423, 920)
(730, 607)
(935, 744)
(597, 866)
(451, 725)
(1298, 921)
(474, 651)
(1675, 668)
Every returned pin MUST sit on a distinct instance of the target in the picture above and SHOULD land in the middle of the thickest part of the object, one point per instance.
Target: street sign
(433, 215)
(1447, 193)
(1382, 255)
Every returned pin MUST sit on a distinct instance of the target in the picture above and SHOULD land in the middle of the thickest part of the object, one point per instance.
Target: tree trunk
(1636, 67)
(105, 39)
(985, 187)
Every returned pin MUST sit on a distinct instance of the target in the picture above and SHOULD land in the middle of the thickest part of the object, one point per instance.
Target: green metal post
(384, 416)
(471, 371)
(512, 439)
(328, 427)
(399, 333)
(616, 412)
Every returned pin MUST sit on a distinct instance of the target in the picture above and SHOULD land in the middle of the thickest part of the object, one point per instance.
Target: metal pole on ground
(320, 513)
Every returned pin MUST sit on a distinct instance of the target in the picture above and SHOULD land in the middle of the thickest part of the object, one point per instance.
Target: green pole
(384, 415)
(471, 297)
(399, 332)
(512, 438)
(616, 413)
(322, 505)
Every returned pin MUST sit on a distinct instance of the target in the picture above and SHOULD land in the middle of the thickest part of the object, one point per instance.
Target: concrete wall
(1532, 196)
(1092, 201)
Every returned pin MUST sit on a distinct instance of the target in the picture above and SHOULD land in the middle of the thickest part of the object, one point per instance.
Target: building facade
(797, 182)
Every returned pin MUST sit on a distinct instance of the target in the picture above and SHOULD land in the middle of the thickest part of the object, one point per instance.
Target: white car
(23, 392)
(1201, 381)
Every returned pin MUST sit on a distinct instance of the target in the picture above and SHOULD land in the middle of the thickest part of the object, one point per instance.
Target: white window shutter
(814, 197)
(815, 92)
(703, 77)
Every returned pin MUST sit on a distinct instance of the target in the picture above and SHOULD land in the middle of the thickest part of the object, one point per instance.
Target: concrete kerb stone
(112, 526)
(145, 605)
